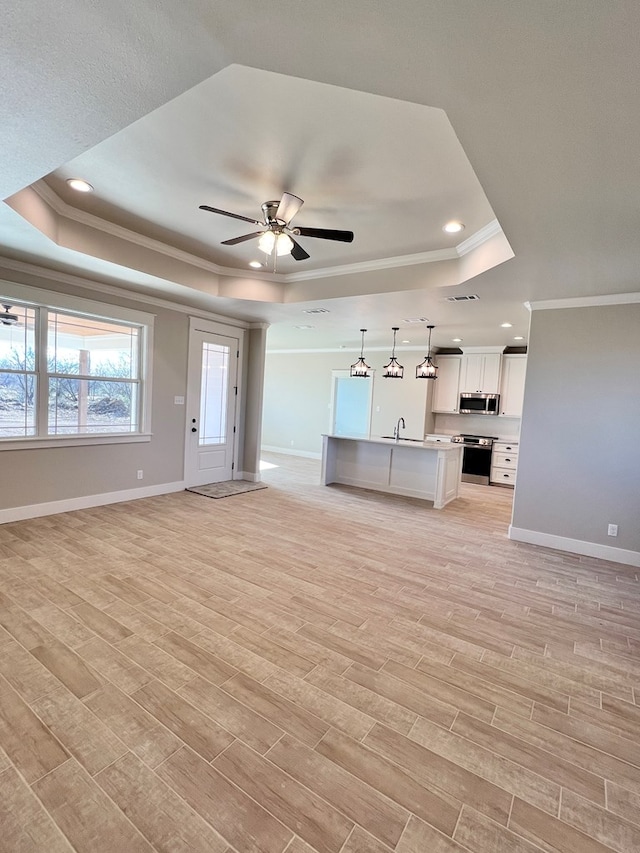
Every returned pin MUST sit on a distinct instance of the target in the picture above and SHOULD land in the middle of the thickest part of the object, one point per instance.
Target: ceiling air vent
(315, 311)
(416, 320)
(471, 298)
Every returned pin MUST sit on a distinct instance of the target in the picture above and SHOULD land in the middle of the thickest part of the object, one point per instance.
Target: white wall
(579, 460)
(297, 398)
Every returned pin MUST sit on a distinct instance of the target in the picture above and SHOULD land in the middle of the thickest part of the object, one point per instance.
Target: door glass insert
(214, 391)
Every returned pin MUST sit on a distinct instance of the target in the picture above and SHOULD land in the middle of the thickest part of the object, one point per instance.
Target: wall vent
(471, 298)
(315, 311)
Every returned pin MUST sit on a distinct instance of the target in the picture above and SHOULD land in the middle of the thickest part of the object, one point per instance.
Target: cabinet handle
(506, 475)
(507, 459)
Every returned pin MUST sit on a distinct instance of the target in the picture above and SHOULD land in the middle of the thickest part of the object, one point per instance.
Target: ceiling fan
(8, 319)
(276, 232)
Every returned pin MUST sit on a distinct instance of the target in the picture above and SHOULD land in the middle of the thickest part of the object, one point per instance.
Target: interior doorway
(351, 400)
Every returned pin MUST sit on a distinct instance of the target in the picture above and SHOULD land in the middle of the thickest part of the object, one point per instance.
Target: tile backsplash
(507, 428)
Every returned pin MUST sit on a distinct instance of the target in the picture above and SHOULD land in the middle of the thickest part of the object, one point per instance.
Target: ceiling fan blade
(235, 240)
(288, 207)
(298, 253)
(326, 234)
(232, 215)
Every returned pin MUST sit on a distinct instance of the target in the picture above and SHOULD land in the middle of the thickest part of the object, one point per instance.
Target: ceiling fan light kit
(393, 370)
(427, 369)
(276, 232)
(360, 369)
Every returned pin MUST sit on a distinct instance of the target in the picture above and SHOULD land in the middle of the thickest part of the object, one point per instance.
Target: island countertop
(401, 442)
(429, 470)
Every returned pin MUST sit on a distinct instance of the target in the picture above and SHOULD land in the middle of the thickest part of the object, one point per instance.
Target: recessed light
(518, 338)
(506, 325)
(453, 227)
(457, 340)
(79, 185)
(256, 265)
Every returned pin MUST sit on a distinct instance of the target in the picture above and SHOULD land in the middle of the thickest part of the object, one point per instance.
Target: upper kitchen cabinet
(446, 391)
(480, 373)
(512, 385)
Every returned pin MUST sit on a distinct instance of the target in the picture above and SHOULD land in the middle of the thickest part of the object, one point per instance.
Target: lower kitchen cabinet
(504, 462)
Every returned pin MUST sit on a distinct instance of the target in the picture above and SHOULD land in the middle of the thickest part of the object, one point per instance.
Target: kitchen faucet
(396, 432)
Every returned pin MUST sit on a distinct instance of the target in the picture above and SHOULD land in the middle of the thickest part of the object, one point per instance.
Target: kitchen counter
(418, 469)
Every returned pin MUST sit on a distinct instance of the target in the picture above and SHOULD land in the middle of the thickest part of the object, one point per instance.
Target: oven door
(476, 464)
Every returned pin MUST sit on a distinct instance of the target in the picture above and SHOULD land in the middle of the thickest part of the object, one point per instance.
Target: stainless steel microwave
(479, 404)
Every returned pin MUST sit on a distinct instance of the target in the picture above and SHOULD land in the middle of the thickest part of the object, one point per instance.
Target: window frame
(44, 301)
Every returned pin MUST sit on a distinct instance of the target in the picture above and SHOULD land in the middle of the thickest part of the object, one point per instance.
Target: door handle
(193, 429)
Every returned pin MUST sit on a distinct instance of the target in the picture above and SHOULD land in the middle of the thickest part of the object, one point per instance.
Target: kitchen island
(416, 469)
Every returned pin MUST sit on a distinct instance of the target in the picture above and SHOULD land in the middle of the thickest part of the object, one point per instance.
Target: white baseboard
(19, 513)
(575, 546)
(289, 451)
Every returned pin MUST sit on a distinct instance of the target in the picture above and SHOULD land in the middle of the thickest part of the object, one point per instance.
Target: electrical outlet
(140, 474)
(612, 530)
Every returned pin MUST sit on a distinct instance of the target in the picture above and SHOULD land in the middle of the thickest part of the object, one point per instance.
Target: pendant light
(360, 368)
(393, 370)
(427, 369)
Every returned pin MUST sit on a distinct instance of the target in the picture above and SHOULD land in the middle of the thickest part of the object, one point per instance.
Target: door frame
(198, 324)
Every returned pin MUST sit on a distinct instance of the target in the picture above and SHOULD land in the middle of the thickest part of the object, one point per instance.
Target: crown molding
(121, 292)
(373, 266)
(121, 233)
(356, 349)
(62, 208)
(585, 301)
(485, 233)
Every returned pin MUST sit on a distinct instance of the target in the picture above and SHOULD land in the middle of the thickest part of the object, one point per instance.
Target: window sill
(71, 441)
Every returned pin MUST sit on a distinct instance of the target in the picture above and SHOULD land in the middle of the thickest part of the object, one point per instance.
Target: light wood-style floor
(305, 669)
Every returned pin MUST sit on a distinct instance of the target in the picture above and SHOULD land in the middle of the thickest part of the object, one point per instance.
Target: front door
(211, 408)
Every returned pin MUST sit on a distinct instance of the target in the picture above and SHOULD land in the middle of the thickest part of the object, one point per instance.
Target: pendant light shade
(393, 370)
(427, 369)
(360, 368)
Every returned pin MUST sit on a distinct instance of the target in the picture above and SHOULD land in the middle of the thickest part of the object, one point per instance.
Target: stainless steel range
(476, 457)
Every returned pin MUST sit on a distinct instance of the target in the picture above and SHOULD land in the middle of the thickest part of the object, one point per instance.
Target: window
(64, 373)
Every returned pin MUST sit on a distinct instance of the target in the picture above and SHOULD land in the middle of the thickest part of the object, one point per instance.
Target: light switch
(178, 401)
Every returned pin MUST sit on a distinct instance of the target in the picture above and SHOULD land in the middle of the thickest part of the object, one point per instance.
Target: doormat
(226, 489)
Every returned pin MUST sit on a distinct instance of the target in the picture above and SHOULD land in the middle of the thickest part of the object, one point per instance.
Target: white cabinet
(447, 386)
(512, 385)
(480, 373)
(504, 462)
